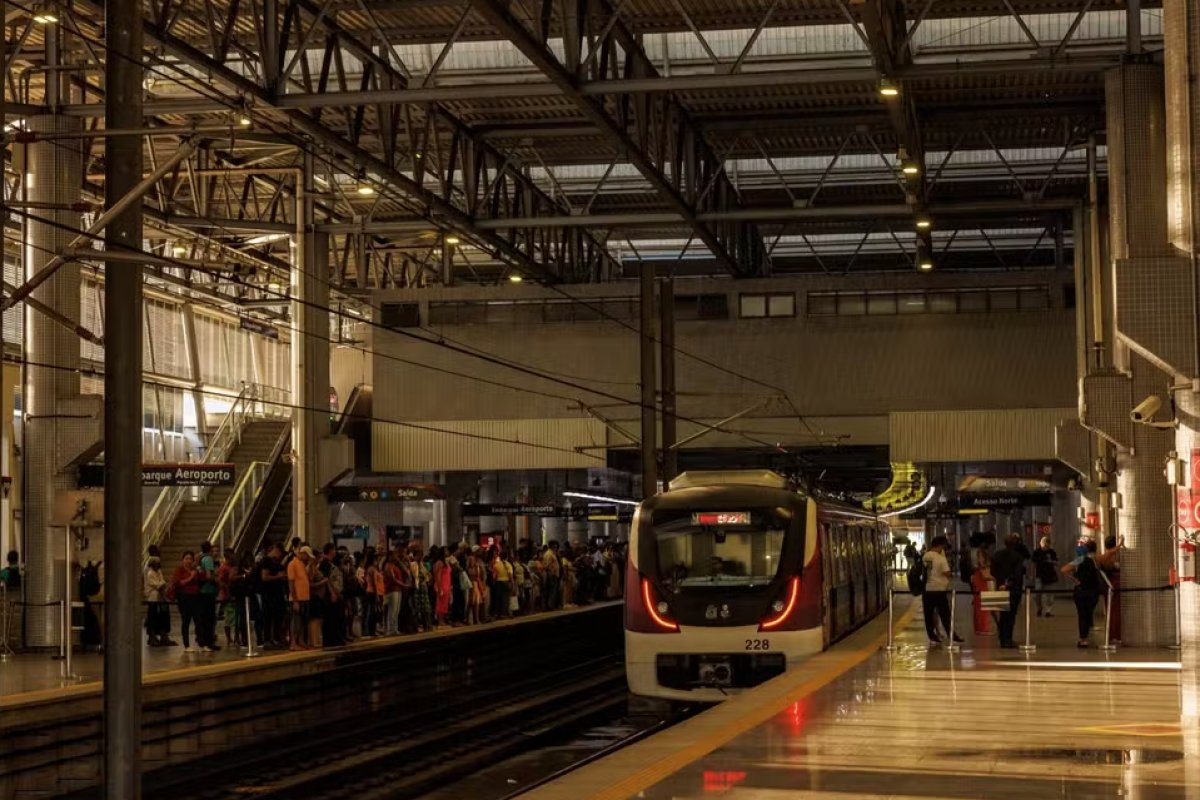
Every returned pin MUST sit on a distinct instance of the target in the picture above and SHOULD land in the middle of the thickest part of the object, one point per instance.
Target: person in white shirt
(936, 599)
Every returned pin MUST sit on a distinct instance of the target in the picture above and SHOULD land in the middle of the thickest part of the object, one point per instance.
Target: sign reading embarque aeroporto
(188, 474)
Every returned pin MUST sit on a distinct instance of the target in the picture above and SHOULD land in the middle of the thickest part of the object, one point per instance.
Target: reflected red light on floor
(792, 718)
(720, 781)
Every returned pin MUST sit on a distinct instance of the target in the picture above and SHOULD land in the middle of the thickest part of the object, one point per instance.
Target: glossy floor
(980, 723)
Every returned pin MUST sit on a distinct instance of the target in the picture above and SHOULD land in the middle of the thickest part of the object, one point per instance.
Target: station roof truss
(572, 140)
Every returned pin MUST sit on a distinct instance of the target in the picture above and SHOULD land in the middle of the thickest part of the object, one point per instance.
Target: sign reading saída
(187, 474)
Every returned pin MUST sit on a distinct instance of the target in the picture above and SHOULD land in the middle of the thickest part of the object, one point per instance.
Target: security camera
(1143, 413)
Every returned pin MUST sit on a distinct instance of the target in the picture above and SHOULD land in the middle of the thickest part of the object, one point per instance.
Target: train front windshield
(703, 549)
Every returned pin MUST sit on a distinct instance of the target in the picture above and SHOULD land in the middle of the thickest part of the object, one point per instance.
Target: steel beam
(123, 188)
(738, 249)
(865, 213)
(649, 374)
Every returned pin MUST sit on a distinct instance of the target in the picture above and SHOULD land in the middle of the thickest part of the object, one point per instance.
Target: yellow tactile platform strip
(645, 763)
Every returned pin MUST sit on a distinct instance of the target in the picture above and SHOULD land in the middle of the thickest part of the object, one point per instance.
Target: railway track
(403, 752)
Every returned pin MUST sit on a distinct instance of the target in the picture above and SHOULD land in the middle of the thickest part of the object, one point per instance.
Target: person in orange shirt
(298, 591)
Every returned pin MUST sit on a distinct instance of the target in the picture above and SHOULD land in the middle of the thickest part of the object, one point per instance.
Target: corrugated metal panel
(486, 444)
(998, 435)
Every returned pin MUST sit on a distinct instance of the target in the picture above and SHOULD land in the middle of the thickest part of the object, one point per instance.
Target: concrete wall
(851, 371)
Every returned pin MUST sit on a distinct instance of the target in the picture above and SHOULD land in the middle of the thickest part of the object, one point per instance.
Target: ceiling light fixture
(365, 189)
(178, 250)
(452, 239)
(45, 16)
(515, 278)
(910, 168)
(244, 120)
(923, 223)
(925, 265)
(888, 89)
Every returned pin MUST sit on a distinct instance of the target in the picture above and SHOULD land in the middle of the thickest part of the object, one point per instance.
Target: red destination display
(721, 518)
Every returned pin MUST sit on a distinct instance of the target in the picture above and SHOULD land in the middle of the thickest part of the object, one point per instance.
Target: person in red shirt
(228, 610)
(185, 584)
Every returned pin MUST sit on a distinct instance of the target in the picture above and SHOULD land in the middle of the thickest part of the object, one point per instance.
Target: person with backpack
(1085, 574)
(935, 600)
(1045, 574)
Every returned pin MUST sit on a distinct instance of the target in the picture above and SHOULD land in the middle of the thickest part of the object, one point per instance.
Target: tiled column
(1137, 230)
(52, 350)
(1181, 33)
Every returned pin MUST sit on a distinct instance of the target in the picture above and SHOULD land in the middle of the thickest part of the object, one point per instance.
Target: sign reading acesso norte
(187, 474)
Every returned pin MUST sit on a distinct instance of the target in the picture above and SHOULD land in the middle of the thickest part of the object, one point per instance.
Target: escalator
(355, 422)
(269, 520)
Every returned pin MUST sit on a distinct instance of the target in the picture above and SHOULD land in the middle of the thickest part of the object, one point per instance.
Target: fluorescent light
(925, 266)
(923, 223)
(888, 89)
(452, 239)
(601, 498)
(922, 504)
(910, 168)
(265, 239)
(365, 189)
(515, 278)
(245, 121)
(45, 17)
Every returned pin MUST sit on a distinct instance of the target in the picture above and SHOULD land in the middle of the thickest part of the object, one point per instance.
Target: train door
(824, 548)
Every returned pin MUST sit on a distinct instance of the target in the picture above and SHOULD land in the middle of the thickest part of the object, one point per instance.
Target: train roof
(732, 477)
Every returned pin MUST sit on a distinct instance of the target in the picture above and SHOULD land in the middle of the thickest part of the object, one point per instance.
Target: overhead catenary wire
(346, 315)
(479, 353)
(92, 372)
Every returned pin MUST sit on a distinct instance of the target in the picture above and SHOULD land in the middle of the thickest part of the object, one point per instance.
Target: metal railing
(252, 402)
(228, 529)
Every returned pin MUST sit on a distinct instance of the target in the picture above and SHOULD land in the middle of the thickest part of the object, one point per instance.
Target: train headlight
(662, 607)
(777, 606)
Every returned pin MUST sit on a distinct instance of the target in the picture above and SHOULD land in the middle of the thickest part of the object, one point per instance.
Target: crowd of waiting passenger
(303, 598)
(1091, 577)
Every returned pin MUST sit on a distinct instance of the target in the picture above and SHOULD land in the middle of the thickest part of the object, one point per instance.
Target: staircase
(196, 520)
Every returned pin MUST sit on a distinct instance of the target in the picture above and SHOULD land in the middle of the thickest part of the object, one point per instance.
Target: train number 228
(758, 644)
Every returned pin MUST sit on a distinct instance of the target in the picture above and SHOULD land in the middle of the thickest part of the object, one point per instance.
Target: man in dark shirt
(1008, 570)
(271, 577)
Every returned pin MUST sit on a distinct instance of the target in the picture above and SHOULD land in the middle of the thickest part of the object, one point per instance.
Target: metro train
(732, 578)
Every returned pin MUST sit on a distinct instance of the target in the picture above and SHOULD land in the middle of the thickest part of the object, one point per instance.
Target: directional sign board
(188, 474)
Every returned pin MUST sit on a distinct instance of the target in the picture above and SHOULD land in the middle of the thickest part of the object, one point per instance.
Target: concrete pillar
(1138, 228)
(310, 369)
(489, 492)
(55, 178)
(1181, 39)
(553, 529)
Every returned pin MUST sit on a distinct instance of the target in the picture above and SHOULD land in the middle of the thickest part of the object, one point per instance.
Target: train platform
(194, 708)
(36, 677)
(920, 722)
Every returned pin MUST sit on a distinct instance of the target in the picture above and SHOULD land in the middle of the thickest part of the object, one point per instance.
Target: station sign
(385, 494)
(261, 328)
(1003, 501)
(188, 474)
(608, 512)
(1003, 483)
(511, 509)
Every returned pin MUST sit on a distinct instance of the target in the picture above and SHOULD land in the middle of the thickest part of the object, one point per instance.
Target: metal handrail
(228, 434)
(227, 530)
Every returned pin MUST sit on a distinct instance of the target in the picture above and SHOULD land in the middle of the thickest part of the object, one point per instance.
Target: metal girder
(655, 134)
(601, 87)
(456, 177)
(864, 213)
